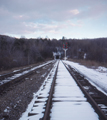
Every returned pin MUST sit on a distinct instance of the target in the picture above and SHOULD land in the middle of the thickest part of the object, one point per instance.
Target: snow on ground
(24, 72)
(97, 77)
(69, 103)
(42, 92)
(73, 104)
(101, 69)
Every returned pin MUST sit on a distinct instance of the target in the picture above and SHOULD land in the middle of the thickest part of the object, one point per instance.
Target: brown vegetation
(89, 63)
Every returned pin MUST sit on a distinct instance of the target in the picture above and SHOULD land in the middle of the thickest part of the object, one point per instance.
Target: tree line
(15, 52)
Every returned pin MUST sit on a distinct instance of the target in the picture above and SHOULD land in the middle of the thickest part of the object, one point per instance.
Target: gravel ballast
(15, 101)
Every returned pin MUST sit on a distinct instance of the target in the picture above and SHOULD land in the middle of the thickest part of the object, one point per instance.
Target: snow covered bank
(96, 76)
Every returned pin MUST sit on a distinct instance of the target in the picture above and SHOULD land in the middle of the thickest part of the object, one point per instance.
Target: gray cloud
(52, 9)
(19, 16)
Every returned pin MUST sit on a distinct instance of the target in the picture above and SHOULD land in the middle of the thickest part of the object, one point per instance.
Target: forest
(15, 52)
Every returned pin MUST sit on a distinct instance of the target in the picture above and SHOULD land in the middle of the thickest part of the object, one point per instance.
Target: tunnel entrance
(57, 55)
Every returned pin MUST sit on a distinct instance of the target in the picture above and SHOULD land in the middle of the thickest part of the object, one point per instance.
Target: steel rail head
(90, 99)
(5, 86)
(48, 105)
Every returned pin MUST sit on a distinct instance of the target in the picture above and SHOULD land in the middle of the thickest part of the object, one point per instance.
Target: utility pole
(65, 48)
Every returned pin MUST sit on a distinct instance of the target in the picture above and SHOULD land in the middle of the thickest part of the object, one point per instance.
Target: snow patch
(98, 79)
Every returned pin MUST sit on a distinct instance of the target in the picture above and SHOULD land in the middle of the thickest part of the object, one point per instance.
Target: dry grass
(89, 63)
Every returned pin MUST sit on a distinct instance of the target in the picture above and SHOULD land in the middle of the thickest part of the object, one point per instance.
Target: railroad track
(10, 79)
(10, 74)
(66, 95)
(96, 98)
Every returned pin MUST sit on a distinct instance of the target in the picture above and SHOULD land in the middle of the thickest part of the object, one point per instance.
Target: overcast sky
(54, 18)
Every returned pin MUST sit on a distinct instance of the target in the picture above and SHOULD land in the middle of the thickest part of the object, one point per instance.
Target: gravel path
(15, 101)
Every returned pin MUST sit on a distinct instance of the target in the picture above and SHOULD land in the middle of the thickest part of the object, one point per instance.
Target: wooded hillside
(16, 52)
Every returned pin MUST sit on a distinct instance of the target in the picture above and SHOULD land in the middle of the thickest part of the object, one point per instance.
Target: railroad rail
(96, 98)
(10, 74)
(9, 79)
(61, 98)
